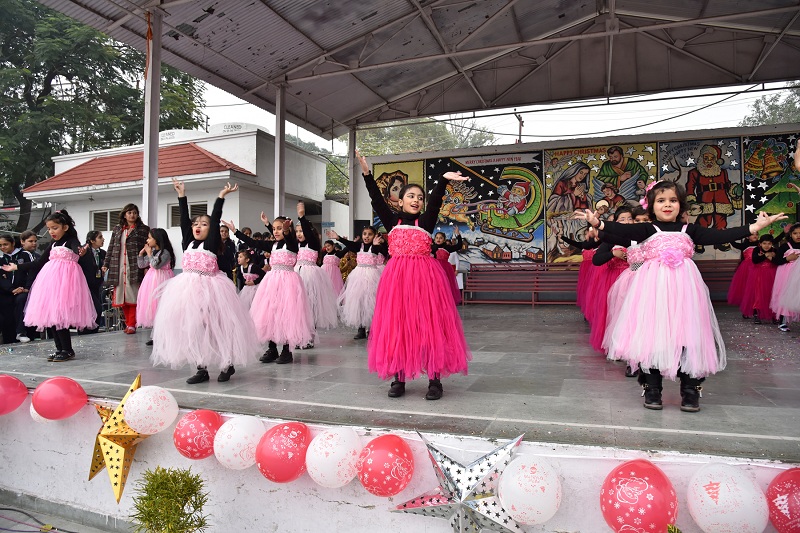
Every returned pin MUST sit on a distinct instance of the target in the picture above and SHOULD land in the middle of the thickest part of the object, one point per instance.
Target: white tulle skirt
(320, 295)
(247, 294)
(280, 309)
(357, 300)
(200, 321)
(789, 294)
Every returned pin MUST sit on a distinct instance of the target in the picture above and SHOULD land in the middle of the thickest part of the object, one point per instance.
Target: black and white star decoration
(467, 494)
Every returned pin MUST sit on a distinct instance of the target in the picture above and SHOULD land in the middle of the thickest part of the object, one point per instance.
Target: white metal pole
(152, 98)
(280, 150)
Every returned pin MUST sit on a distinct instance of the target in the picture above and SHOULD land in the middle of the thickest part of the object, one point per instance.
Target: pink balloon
(59, 398)
(386, 465)
(194, 434)
(281, 453)
(783, 496)
(637, 493)
(12, 393)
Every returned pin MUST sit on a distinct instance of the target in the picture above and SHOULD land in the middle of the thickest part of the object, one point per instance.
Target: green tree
(426, 135)
(337, 182)
(66, 88)
(777, 108)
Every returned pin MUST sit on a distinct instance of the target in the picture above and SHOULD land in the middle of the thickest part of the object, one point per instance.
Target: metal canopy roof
(351, 62)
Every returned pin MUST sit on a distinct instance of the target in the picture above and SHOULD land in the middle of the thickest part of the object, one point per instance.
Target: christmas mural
(499, 210)
(711, 172)
(391, 177)
(768, 170)
(602, 178)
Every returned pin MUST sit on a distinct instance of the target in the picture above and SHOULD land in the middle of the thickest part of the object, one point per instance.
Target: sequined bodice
(62, 253)
(330, 259)
(442, 254)
(616, 263)
(282, 257)
(247, 276)
(588, 254)
(409, 240)
(635, 254)
(199, 261)
(307, 256)
(671, 248)
(366, 259)
(381, 259)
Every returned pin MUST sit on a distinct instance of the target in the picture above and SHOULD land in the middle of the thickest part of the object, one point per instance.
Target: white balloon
(723, 499)
(150, 410)
(39, 418)
(332, 456)
(530, 490)
(235, 442)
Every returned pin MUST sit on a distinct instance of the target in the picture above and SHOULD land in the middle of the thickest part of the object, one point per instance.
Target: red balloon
(638, 496)
(281, 452)
(386, 465)
(12, 393)
(59, 398)
(194, 434)
(783, 497)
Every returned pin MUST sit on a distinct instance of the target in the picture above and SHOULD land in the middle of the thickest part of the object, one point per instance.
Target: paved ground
(533, 372)
(22, 520)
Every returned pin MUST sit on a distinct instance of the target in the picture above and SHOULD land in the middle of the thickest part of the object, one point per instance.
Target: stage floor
(533, 372)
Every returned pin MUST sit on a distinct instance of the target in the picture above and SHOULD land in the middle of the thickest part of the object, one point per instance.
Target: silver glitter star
(467, 494)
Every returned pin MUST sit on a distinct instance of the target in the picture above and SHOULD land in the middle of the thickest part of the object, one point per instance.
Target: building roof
(179, 160)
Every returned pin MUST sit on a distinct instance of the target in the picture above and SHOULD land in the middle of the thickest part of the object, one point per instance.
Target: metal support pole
(280, 151)
(152, 104)
(353, 175)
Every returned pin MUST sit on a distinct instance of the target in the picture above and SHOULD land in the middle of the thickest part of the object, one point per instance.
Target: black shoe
(651, 389)
(630, 373)
(200, 377)
(756, 320)
(362, 334)
(271, 355)
(434, 390)
(149, 343)
(65, 355)
(691, 392)
(53, 355)
(723, 247)
(699, 249)
(307, 346)
(285, 357)
(226, 374)
(397, 389)
(746, 317)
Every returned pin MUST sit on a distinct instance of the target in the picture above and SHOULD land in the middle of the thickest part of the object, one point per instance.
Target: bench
(717, 274)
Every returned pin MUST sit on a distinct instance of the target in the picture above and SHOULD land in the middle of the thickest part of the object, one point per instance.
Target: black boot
(200, 377)
(226, 374)
(285, 357)
(651, 385)
(756, 320)
(362, 334)
(691, 392)
(271, 355)
(397, 388)
(434, 389)
(631, 372)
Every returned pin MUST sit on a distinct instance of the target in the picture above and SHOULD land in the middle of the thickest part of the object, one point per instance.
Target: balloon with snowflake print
(637, 497)
(783, 495)
(194, 433)
(386, 465)
(723, 498)
(235, 442)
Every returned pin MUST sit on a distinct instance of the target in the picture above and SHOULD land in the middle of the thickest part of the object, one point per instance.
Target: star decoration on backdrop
(116, 443)
(467, 494)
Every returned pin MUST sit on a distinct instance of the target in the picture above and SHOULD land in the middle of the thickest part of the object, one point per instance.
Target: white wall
(339, 215)
(305, 174)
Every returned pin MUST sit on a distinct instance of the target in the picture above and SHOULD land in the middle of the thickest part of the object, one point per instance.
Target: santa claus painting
(515, 201)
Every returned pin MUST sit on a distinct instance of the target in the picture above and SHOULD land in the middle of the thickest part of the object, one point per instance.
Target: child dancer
(330, 264)
(23, 282)
(761, 280)
(7, 323)
(785, 299)
(357, 299)
(158, 257)
(667, 324)
(199, 319)
(416, 327)
(317, 283)
(739, 282)
(441, 251)
(586, 272)
(280, 309)
(59, 296)
(248, 277)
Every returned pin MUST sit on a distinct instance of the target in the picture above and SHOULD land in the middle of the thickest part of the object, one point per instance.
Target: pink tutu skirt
(763, 278)
(331, 267)
(357, 299)
(199, 321)
(583, 274)
(451, 277)
(789, 294)
(280, 309)
(247, 294)
(606, 280)
(320, 295)
(590, 292)
(59, 296)
(146, 300)
(739, 282)
(616, 298)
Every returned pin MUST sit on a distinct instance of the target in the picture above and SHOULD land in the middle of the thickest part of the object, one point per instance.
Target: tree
(778, 108)
(66, 88)
(426, 135)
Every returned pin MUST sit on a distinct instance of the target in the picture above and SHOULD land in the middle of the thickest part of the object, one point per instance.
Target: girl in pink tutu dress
(785, 300)
(199, 319)
(158, 258)
(59, 297)
(280, 310)
(761, 281)
(330, 264)
(611, 262)
(441, 251)
(357, 299)
(666, 324)
(739, 282)
(319, 289)
(416, 328)
(586, 272)
(248, 277)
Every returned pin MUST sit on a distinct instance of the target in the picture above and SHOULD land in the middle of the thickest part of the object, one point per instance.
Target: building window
(195, 210)
(105, 220)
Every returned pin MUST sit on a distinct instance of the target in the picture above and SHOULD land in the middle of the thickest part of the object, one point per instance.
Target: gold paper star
(116, 443)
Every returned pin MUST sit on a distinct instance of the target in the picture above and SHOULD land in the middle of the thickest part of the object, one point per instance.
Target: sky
(676, 111)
